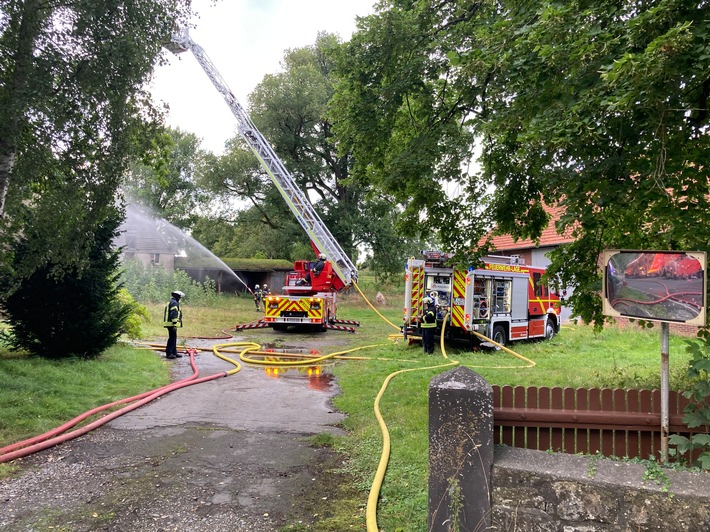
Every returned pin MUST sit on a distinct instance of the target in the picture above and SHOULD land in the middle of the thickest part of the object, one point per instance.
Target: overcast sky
(245, 40)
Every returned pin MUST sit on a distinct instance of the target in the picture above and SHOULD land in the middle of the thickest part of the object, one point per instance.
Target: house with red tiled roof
(533, 252)
(528, 251)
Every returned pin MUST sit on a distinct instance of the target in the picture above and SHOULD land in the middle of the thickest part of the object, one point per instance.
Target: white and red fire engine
(501, 300)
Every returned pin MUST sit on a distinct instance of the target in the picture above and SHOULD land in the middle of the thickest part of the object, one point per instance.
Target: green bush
(149, 284)
(132, 327)
(75, 312)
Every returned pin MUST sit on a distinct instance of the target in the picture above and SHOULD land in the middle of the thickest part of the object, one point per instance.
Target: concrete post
(460, 451)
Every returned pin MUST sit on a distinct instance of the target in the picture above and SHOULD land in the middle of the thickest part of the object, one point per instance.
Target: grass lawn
(37, 395)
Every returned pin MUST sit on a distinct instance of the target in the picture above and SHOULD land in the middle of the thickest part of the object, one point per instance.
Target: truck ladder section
(295, 198)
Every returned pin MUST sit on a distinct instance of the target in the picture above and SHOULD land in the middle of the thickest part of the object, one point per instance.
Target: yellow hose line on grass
(255, 349)
(248, 346)
(371, 512)
(373, 308)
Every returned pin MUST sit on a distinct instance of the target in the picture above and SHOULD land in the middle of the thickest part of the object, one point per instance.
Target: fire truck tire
(549, 330)
(279, 327)
(499, 335)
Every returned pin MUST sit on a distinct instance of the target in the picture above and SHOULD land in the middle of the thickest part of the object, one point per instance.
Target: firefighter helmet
(256, 287)
(178, 294)
(321, 256)
(428, 300)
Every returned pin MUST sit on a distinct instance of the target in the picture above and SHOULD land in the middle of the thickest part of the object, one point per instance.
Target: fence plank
(556, 433)
(646, 405)
(545, 434)
(507, 401)
(608, 435)
(620, 443)
(569, 432)
(634, 436)
(582, 440)
(531, 403)
(594, 403)
(519, 403)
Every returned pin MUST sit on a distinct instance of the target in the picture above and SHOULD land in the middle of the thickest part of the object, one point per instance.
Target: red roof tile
(549, 236)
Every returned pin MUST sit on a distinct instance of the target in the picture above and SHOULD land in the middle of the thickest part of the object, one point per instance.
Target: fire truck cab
(502, 301)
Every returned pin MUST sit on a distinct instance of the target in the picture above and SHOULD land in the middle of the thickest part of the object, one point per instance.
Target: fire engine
(313, 305)
(501, 300)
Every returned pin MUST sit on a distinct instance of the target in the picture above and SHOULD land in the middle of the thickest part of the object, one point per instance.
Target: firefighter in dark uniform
(172, 319)
(258, 296)
(428, 325)
(315, 270)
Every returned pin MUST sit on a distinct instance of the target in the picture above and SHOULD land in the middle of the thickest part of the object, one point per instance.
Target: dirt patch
(230, 454)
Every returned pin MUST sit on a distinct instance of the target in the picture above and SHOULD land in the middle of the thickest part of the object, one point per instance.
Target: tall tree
(601, 107)
(71, 110)
(401, 109)
(76, 314)
(291, 109)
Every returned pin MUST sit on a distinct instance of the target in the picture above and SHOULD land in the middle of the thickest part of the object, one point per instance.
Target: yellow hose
(373, 308)
(371, 511)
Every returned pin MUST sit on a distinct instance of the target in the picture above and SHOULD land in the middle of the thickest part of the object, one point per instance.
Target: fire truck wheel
(549, 330)
(499, 335)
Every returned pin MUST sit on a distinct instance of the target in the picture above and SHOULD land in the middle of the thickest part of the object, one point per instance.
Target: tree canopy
(291, 109)
(166, 180)
(72, 112)
(599, 107)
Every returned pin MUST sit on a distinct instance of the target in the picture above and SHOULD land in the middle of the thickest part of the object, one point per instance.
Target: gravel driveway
(227, 455)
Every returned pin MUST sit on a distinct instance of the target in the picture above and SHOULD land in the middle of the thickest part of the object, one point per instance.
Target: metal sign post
(665, 385)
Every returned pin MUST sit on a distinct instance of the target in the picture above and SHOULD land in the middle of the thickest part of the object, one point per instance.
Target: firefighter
(172, 319)
(265, 291)
(258, 295)
(428, 325)
(315, 270)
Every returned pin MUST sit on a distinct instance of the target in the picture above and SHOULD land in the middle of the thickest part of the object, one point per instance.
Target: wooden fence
(612, 422)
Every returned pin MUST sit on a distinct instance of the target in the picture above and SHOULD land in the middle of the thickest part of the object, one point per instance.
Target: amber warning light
(666, 286)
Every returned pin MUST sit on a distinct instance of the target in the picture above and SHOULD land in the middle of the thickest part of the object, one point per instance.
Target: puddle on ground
(317, 376)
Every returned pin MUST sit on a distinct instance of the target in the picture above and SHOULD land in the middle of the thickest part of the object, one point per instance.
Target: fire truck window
(538, 286)
(502, 297)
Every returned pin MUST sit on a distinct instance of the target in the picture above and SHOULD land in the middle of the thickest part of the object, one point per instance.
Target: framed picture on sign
(666, 286)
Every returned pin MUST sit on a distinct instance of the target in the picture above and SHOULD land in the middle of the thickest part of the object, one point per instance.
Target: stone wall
(537, 491)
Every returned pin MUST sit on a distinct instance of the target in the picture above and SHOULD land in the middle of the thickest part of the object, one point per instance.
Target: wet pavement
(231, 454)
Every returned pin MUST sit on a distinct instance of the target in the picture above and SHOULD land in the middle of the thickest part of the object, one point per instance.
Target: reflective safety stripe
(170, 309)
(425, 325)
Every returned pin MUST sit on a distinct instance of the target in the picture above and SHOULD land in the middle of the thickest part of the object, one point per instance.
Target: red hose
(48, 439)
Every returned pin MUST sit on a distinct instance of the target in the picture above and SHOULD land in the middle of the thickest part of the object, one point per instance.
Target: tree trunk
(7, 161)
(16, 94)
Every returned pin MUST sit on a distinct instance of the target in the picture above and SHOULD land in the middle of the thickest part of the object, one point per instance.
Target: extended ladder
(294, 196)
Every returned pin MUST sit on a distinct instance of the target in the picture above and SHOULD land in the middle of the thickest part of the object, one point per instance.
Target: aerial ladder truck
(312, 304)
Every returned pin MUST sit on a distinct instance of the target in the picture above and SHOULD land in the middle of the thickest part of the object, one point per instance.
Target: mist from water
(143, 231)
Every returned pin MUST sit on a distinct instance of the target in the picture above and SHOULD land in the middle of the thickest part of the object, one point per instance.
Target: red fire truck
(313, 305)
(501, 300)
